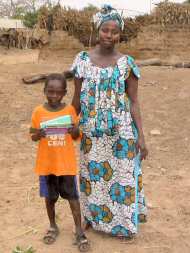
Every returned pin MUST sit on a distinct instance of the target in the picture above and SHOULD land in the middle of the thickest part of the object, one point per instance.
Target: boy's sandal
(82, 243)
(51, 235)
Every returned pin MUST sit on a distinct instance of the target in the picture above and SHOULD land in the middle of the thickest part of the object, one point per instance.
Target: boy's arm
(74, 132)
(37, 134)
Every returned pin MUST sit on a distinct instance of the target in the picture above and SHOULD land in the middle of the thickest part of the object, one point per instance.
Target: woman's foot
(51, 235)
(86, 225)
(127, 239)
(142, 218)
(82, 243)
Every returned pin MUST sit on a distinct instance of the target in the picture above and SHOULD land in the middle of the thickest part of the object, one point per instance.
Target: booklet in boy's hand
(59, 125)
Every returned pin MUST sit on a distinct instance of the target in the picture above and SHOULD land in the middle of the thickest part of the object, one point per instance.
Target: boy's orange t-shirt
(56, 153)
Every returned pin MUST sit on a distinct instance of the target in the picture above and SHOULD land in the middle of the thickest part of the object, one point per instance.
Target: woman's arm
(76, 97)
(132, 91)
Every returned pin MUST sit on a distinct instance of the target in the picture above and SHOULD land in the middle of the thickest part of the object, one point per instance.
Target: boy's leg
(53, 230)
(50, 207)
(81, 239)
(76, 212)
(48, 189)
(69, 190)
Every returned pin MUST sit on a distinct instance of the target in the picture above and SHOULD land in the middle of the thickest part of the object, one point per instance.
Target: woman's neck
(105, 51)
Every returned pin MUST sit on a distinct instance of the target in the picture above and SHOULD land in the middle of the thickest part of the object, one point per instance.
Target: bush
(30, 19)
(18, 249)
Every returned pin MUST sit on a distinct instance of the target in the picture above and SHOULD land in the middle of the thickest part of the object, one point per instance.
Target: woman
(106, 84)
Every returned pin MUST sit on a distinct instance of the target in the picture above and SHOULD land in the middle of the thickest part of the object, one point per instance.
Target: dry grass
(78, 23)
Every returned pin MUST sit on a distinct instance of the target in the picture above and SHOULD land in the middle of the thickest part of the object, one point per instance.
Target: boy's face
(54, 92)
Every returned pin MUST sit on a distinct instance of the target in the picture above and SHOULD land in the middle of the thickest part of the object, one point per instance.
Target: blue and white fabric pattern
(112, 194)
(108, 13)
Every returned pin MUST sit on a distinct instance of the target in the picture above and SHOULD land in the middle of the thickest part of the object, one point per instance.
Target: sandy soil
(165, 102)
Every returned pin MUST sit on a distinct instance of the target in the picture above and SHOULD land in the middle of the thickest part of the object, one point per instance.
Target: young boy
(56, 160)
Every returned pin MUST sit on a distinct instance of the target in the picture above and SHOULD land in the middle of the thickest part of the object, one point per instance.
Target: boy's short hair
(56, 76)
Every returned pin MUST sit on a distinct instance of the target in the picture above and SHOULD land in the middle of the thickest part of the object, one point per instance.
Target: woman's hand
(141, 147)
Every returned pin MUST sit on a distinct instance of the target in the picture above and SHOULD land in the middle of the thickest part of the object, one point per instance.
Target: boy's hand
(39, 133)
(74, 132)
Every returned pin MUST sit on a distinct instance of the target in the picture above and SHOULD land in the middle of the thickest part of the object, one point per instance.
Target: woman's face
(109, 34)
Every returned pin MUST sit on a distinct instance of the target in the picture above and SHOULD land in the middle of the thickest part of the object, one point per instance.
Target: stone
(163, 170)
(150, 205)
(150, 83)
(155, 132)
(164, 149)
(25, 126)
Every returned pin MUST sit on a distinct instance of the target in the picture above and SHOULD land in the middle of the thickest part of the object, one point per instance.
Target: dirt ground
(165, 103)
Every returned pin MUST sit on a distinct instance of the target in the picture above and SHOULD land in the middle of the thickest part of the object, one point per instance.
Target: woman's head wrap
(108, 13)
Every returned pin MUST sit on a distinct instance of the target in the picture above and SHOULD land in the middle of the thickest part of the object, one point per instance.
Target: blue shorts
(52, 187)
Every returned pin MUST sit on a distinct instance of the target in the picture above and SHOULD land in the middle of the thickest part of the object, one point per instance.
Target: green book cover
(61, 121)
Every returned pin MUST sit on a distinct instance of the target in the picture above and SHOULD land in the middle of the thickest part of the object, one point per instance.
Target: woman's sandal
(82, 243)
(142, 218)
(127, 239)
(51, 235)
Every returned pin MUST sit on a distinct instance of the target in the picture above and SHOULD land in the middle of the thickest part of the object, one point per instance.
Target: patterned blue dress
(112, 195)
